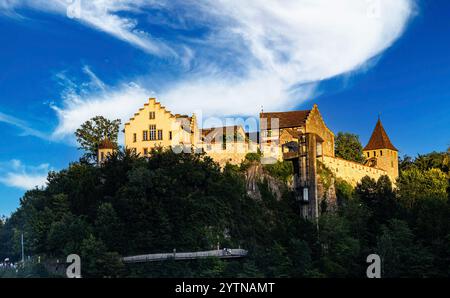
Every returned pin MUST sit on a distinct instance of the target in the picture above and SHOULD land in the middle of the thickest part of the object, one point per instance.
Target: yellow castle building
(155, 126)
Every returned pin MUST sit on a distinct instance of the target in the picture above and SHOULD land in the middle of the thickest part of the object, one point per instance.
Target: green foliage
(325, 174)
(255, 156)
(282, 170)
(98, 261)
(339, 249)
(132, 205)
(401, 256)
(348, 147)
(93, 131)
(344, 191)
(415, 185)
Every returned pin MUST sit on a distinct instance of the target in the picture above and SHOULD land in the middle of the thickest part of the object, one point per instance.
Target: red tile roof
(379, 139)
(106, 144)
(287, 119)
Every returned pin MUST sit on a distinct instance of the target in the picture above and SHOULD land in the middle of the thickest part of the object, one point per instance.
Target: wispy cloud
(25, 128)
(251, 53)
(15, 174)
(119, 102)
(102, 15)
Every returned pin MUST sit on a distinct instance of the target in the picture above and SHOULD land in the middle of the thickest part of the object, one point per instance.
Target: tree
(405, 163)
(340, 250)
(94, 131)
(97, 261)
(414, 185)
(348, 147)
(400, 255)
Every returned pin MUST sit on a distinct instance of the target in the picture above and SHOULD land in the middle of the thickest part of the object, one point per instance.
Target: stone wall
(350, 171)
(234, 153)
(315, 124)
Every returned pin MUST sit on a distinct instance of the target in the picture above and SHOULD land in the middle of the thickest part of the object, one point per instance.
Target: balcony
(290, 151)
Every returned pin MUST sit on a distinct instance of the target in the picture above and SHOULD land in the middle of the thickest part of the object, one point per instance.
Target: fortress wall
(351, 172)
(234, 153)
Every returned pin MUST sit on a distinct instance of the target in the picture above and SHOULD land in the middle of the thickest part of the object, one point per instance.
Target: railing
(222, 254)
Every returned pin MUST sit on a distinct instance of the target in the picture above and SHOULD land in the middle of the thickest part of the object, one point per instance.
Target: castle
(281, 136)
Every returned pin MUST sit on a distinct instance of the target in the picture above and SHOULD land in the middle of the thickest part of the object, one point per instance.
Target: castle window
(170, 135)
(134, 138)
(145, 135)
(368, 154)
(374, 154)
(151, 115)
(160, 134)
(145, 151)
(381, 152)
(152, 132)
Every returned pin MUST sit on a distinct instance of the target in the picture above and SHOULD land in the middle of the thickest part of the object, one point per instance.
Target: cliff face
(326, 191)
(256, 174)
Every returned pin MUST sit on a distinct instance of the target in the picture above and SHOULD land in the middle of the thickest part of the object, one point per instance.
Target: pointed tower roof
(379, 139)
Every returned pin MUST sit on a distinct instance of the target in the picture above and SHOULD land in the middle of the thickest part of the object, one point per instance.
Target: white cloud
(101, 15)
(15, 174)
(291, 43)
(22, 125)
(256, 53)
(120, 102)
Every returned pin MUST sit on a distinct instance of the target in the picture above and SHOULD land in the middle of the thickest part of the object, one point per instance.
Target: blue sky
(64, 63)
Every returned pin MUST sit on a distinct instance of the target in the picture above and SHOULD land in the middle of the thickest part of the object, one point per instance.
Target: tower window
(151, 115)
(134, 138)
(160, 134)
(152, 132)
(145, 135)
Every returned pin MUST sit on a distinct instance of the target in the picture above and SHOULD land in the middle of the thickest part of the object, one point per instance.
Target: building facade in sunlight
(155, 126)
(280, 129)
